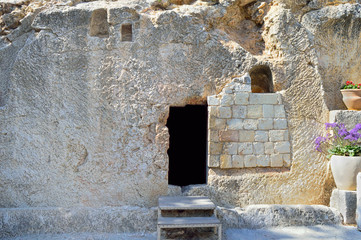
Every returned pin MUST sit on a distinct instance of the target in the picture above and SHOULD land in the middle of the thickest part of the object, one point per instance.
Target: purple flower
(318, 141)
(343, 132)
(340, 141)
(330, 125)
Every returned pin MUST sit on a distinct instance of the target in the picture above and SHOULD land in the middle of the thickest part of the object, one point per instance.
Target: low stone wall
(24, 221)
(262, 216)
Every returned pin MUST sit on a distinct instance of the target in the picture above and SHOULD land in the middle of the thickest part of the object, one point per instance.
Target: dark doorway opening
(187, 145)
(261, 78)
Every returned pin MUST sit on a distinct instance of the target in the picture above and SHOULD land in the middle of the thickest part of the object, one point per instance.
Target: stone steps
(194, 205)
(170, 222)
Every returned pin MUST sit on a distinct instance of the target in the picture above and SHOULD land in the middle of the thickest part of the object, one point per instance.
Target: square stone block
(250, 161)
(250, 124)
(246, 136)
(280, 111)
(245, 148)
(241, 98)
(263, 98)
(280, 124)
(212, 111)
(282, 147)
(226, 100)
(224, 112)
(276, 160)
(261, 136)
(254, 111)
(213, 161)
(213, 136)
(226, 161)
(258, 148)
(345, 203)
(286, 160)
(268, 111)
(229, 136)
(215, 148)
(212, 100)
(235, 124)
(263, 161)
(265, 124)
(268, 148)
(230, 148)
(239, 111)
(237, 161)
(217, 123)
(278, 135)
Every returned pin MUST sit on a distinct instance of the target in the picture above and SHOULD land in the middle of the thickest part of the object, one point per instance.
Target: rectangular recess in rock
(99, 26)
(127, 33)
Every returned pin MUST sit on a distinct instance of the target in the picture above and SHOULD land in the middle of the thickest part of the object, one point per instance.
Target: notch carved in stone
(99, 26)
(127, 33)
(261, 79)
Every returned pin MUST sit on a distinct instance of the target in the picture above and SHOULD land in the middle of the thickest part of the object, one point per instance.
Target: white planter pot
(344, 171)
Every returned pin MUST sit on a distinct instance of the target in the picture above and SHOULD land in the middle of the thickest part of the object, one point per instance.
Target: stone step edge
(187, 221)
(25, 221)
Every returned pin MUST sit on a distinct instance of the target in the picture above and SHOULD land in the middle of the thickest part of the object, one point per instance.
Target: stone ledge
(263, 216)
(348, 117)
(25, 221)
(345, 202)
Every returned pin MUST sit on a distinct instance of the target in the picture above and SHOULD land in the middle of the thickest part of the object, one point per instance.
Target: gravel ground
(285, 233)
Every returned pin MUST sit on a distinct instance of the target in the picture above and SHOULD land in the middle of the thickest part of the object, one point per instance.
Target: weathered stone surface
(225, 161)
(24, 221)
(235, 124)
(254, 111)
(229, 136)
(263, 98)
(276, 160)
(347, 117)
(225, 112)
(250, 161)
(241, 98)
(213, 160)
(345, 203)
(261, 136)
(237, 161)
(174, 190)
(337, 63)
(261, 216)
(83, 118)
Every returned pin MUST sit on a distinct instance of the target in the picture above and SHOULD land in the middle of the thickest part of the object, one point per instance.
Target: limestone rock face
(85, 91)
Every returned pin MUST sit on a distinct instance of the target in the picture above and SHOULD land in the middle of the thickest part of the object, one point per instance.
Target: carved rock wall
(83, 112)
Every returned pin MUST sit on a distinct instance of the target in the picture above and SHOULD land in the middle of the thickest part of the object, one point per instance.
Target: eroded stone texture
(348, 117)
(262, 216)
(345, 203)
(83, 118)
(27, 221)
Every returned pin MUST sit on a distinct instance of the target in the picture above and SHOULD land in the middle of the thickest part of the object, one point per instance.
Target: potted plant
(351, 95)
(344, 149)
